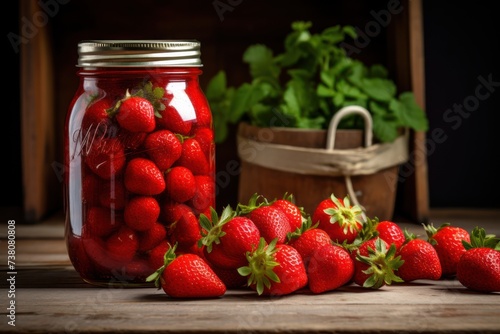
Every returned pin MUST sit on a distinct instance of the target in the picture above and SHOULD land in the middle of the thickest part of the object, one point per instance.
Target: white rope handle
(330, 144)
(347, 111)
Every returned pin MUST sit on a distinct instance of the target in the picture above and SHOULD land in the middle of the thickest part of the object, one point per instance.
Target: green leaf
(385, 130)
(409, 113)
(378, 71)
(349, 68)
(301, 25)
(327, 78)
(350, 91)
(244, 98)
(311, 123)
(261, 61)
(333, 35)
(244, 271)
(379, 89)
(324, 91)
(338, 100)
(350, 31)
(217, 87)
(378, 108)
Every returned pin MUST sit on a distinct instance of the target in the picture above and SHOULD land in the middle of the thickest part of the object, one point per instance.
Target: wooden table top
(50, 297)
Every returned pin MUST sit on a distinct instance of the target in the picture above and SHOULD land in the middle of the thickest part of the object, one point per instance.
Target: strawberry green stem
(261, 263)
(214, 227)
(382, 264)
(346, 216)
(167, 259)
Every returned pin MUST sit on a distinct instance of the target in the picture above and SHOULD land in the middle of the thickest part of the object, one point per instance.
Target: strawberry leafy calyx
(479, 239)
(409, 236)
(347, 216)
(306, 225)
(116, 107)
(212, 228)
(369, 229)
(167, 259)
(430, 230)
(261, 263)
(381, 265)
(153, 95)
(256, 201)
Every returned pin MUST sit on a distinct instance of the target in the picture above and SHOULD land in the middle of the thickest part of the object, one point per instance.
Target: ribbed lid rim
(139, 53)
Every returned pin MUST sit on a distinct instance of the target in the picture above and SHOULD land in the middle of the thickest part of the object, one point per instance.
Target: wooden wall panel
(38, 133)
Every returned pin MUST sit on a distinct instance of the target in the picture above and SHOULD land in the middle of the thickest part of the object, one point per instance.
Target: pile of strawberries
(275, 248)
(143, 171)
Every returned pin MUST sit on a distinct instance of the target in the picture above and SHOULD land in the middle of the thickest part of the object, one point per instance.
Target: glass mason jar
(140, 158)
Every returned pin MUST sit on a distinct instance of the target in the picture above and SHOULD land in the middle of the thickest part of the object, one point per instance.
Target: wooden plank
(423, 307)
(416, 36)
(37, 121)
(406, 61)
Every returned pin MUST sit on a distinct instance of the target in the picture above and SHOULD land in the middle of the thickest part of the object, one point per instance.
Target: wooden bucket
(375, 192)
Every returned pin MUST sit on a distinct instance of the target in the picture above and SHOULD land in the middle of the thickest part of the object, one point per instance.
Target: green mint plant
(307, 83)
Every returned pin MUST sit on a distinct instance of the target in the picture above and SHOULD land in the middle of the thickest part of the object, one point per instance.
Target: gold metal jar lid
(139, 53)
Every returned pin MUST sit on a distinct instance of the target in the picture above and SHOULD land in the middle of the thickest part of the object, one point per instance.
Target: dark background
(461, 45)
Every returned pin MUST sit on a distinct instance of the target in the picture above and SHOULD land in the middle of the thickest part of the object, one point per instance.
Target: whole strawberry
(101, 222)
(307, 239)
(141, 212)
(386, 230)
(271, 221)
(163, 147)
(274, 269)
(375, 264)
(152, 237)
(479, 267)
(180, 184)
(228, 239)
(105, 157)
(96, 120)
(123, 244)
(330, 267)
(205, 137)
(187, 276)
(447, 240)
(339, 219)
(185, 229)
(204, 196)
(171, 120)
(421, 260)
(143, 177)
(293, 212)
(391, 233)
(135, 114)
(193, 157)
